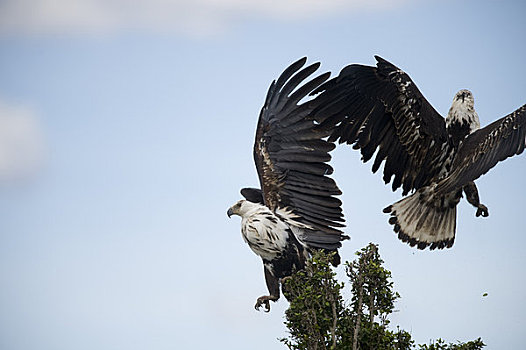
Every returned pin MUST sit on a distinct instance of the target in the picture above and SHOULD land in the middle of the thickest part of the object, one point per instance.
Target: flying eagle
(296, 210)
(379, 110)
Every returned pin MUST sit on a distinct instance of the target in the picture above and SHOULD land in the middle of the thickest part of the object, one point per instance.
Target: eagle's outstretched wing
(291, 156)
(484, 148)
(380, 109)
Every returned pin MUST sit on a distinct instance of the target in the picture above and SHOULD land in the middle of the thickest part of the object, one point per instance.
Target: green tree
(319, 318)
(373, 297)
(441, 345)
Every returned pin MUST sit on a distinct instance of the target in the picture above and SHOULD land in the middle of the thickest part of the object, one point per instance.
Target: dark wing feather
(380, 110)
(484, 148)
(291, 155)
(254, 195)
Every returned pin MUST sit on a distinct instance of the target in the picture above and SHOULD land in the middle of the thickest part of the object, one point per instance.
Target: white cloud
(181, 16)
(22, 146)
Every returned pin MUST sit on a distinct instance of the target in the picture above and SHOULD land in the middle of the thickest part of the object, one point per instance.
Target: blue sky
(128, 131)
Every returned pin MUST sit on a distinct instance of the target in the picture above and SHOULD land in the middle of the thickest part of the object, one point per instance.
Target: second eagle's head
(464, 97)
(462, 119)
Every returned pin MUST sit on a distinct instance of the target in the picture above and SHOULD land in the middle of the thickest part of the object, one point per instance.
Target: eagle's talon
(264, 300)
(482, 210)
(260, 302)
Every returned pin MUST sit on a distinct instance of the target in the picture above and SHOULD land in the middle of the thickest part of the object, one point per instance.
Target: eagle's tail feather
(317, 239)
(420, 220)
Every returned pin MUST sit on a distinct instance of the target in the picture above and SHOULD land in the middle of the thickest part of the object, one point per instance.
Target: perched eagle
(379, 110)
(295, 210)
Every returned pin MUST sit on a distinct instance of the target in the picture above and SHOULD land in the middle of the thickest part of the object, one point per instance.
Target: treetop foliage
(319, 318)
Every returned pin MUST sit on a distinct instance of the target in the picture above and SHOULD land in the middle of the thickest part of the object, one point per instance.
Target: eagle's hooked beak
(230, 212)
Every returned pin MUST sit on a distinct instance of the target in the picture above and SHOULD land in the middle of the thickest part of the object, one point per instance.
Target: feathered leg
(273, 288)
(472, 195)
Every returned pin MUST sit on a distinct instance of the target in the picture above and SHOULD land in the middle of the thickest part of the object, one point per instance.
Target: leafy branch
(319, 318)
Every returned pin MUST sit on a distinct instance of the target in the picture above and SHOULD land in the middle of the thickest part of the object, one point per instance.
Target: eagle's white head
(242, 208)
(462, 111)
